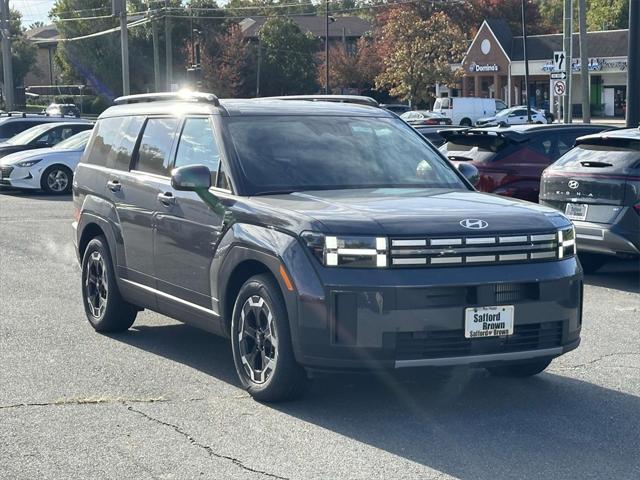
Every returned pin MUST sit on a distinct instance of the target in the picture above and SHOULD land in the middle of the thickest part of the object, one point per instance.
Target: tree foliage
(288, 58)
(415, 57)
(356, 70)
(23, 53)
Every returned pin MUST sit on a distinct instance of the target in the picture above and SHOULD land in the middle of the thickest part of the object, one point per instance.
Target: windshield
(77, 142)
(293, 153)
(504, 113)
(29, 135)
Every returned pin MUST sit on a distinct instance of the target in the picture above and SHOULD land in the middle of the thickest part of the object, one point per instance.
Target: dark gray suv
(315, 235)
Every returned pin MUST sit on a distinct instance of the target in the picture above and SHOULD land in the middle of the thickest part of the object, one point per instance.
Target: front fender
(272, 248)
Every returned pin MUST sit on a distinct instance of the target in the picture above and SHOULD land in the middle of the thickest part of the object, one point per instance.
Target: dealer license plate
(482, 322)
(576, 211)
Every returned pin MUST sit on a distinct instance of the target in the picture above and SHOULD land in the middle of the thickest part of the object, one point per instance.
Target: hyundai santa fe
(315, 236)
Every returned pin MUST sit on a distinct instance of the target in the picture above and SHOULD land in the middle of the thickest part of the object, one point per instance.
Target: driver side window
(197, 146)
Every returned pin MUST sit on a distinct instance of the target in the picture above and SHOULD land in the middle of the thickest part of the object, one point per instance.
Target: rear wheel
(261, 343)
(591, 262)
(105, 308)
(56, 180)
(520, 370)
(465, 122)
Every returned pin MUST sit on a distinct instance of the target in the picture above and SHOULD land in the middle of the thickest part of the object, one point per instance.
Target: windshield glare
(28, 135)
(77, 142)
(294, 153)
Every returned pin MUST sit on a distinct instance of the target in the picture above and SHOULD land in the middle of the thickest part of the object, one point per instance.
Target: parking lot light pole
(124, 45)
(633, 79)
(8, 91)
(326, 46)
(526, 61)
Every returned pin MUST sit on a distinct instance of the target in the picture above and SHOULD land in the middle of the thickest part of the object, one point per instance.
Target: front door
(187, 226)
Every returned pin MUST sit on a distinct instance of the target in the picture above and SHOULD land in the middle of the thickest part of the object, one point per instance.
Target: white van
(466, 111)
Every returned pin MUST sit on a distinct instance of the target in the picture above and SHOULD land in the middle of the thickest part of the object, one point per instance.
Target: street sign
(559, 87)
(559, 61)
(558, 75)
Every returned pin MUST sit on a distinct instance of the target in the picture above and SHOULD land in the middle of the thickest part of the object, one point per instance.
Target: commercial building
(494, 67)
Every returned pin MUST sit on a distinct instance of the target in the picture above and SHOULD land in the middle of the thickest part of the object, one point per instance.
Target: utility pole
(124, 44)
(156, 54)
(585, 81)
(7, 62)
(326, 46)
(633, 79)
(259, 66)
(526, 61)
(568, 52)
(168, 47)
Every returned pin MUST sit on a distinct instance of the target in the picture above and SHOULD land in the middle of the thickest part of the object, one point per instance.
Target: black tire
(284, 379)
(591, 262)
(520, 370)
(115, 314)
(466, 122)
(63, 180)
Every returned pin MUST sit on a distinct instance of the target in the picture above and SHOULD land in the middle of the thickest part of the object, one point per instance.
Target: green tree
(288, 60)
(23, 53)
(269, 7)
(607, 14)
(418, 53)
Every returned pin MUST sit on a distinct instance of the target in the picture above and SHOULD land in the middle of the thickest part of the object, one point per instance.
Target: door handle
(167, 199)
(114, 185)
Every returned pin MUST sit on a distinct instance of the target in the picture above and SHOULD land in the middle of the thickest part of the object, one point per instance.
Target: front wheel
(56, 180)
(520, 370)
(465, 122)
(261, 343)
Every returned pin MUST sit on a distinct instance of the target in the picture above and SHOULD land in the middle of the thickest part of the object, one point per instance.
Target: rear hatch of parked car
(596, 180)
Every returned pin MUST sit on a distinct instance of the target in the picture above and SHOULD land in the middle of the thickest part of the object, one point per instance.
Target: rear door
(187, 226)
(595, 180)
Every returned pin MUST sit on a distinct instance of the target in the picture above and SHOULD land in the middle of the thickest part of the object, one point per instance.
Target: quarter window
(113, 142)
(157, 138)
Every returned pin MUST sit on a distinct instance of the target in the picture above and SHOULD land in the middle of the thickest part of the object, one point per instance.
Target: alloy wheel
(57, 180)
(96, 285)
(257, 341)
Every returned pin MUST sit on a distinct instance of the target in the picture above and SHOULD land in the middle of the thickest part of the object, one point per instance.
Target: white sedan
(512, 116)
(48, 169)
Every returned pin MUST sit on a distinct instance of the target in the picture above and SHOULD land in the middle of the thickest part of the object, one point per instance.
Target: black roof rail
(165, 96)
(16, 113)
(357, 99)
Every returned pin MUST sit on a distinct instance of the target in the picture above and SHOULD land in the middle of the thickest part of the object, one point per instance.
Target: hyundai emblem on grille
(474, 223)
(573, 184)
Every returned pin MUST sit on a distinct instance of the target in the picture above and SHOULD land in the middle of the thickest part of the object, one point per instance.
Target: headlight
(347, 250)
(567, 242)
(28, 163)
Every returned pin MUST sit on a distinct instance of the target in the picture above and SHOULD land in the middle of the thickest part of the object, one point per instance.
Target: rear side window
(155, 145)
(113, 142)
(9, 129)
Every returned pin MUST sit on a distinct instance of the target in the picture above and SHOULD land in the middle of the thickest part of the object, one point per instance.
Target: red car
(510, 160)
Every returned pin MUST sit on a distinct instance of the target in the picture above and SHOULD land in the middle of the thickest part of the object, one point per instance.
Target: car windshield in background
(29, 135)
(293, 153)
(600, 156)
(77, 142)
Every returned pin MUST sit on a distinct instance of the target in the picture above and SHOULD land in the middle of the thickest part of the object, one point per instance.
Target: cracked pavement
(162, 401)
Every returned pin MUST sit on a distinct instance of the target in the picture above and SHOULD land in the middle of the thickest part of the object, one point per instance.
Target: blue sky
(32, 10)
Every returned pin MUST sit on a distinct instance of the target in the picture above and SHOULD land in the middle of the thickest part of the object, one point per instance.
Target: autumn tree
(418, 53)
(354, 70)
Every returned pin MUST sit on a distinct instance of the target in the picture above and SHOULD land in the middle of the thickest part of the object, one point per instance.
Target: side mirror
(191, 178)
(469, 172)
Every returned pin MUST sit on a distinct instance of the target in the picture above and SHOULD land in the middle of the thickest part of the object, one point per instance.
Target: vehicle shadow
(618, 274)
(462, 422)
(34, 194)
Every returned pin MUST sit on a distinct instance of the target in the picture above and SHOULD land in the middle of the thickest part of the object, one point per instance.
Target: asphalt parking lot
(162, 401)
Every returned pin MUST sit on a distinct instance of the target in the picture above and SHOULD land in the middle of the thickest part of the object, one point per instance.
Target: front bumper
(18, 177)
(415, 317)
(607, 239)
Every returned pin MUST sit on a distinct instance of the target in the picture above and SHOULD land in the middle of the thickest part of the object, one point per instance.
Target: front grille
(473, 250)
(452, 343)
(5, 173)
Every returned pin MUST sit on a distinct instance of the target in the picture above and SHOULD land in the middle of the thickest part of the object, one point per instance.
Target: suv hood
(412, 212)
